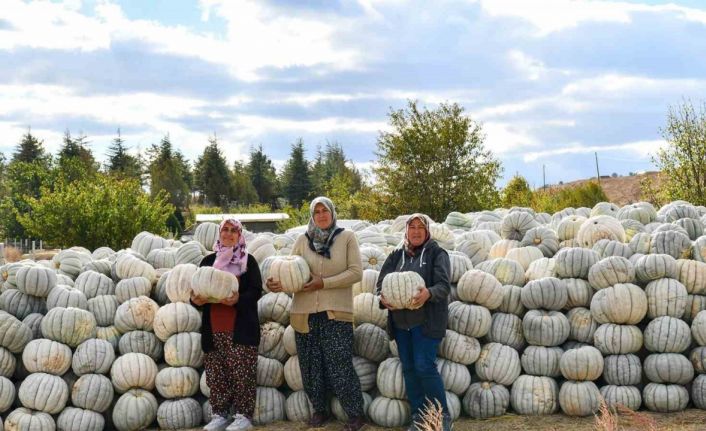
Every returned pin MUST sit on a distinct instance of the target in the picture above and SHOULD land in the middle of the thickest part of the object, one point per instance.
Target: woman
(418, 332)
(230, 333)
(322, 314)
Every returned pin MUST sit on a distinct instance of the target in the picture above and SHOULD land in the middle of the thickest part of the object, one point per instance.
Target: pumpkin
(7, 394)
(292, 373)
(178, 284)
(144, 242)
(93, 356)
(506, 271)
(36, 281)
(459, 348)
(128, 266)
(366, 371)
(109, 334)
(575, 262)
(569, 226)
(485, 400)
(542, 328)
(582, 326)
(92, 392)
(459, 264)
(672, 243)
(694, 305)
(34, 323)
(642, 212)
(541, 361)
(388, 412)
(640, 243)
(667, 335)
(611, 271)
(274, 307)
(534, 395)
(585, 363)
(368, 283)
(162, 258)
(26, 419)
(136, 314)
(400, 288)
(213, 284)
(477, 250)
(271, 343)
(605, 208)
(340, 414)
(298, 407)
(133, 370)
(65, 297)
(504, 329)
(44, 392)
(498, 363)
(622, 370)
(612, 339)
(132, 288)
(135, 410)
(626, 396)
(600, 227)
(698, 391)
(103, 308)
(516, 224)
(468, 319)
(184, 350)
(174, 318)
(46, 356)
(692, 274)
(540, 268)
(141, 342)
(370, 342)
(101, 266)
(179, 414)
(291, 271)
(608, 248)
(366, 309)
(269, 406)
(177, 382)
(666, 297)
(665, 398)
(655, 266)
(456, 377)
(80, 420)
(512, 301)
(546, 293)
(390, 380)
(191, 252)
(70, 326)
(579, 398)
(668, 368)
(622, 303)
(270, 372)
(289, 341)
(20, 304)
(524, 255)
(93, 284)
(371, 258)
(8, 362)
(480, 288)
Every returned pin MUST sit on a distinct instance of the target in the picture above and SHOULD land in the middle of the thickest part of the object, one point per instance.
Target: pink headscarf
(231, 259)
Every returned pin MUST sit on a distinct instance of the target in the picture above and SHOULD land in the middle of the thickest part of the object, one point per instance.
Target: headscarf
(231, 259)
(409, 249)
(320, 240)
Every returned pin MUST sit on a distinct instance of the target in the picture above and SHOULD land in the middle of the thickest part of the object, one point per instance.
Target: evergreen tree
(169, 171)
(212, 179)
(29, 149)
(75, 159)
(262, 176)
(296, 179)
(328, 164)
(121, 163)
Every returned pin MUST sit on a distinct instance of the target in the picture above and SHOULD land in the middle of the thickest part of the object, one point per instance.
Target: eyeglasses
(230, 230)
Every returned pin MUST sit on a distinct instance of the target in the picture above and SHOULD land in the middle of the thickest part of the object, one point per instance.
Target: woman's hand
(232, 299)
(197, 299)
(273, 285)
(315, 283)
(420, 298)
(387, 305)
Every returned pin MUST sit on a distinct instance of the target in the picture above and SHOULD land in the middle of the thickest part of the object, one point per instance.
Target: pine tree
(30, 149)
(330, 163)
(75, 159)
(169, 172)
(296, 179)
(263, 176)
(121, 163)
(244, 192)
(212, 179)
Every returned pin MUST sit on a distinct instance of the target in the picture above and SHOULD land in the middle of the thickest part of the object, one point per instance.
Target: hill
(620, 190)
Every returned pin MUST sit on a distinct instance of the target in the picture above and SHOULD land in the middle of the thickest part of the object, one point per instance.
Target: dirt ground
(689, 420)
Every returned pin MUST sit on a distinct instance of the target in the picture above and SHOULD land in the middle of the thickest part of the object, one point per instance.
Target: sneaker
(317, 420)
(447, 422)
(240, 423)
(354, 424)
(416, 419)
(218, 423)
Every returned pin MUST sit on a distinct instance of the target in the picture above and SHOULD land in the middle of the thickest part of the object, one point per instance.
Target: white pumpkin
(291, 271)
(400, 288)
(213, 284)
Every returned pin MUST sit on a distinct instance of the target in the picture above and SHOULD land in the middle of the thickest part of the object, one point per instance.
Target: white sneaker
(218, 423)
(240, 423)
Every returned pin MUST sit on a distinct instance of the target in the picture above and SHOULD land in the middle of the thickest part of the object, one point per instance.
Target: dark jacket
(434, 269)
(247, 324)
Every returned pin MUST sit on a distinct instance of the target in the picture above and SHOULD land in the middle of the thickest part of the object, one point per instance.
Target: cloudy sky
(552, 81)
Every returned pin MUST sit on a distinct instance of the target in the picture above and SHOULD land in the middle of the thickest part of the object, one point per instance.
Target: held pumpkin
(399, 288)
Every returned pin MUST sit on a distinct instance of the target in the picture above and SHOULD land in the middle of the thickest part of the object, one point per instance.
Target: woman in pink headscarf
(230, 333)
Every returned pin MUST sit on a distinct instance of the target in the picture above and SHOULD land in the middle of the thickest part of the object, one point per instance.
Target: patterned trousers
(231, 375)
(326, 362)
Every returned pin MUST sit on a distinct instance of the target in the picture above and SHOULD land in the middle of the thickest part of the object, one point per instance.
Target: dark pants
(231, 374)
(326, 362)
(421, 378)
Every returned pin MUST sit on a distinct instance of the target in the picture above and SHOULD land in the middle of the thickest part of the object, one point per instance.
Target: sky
(552, 82)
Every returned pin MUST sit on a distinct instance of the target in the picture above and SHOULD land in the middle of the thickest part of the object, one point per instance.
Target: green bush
(102, 211)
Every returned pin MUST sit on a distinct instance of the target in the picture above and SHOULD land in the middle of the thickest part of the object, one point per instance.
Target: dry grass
(622, 190)
(12, 254)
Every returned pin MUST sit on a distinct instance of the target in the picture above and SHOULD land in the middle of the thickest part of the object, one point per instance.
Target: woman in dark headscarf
(322, 314)
(230, 333)
(418, 332)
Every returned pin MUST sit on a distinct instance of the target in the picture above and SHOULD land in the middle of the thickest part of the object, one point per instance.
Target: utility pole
(544, 177)
(598, 174)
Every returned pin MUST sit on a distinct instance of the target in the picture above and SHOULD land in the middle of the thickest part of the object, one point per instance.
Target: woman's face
(416, 233)
(229, 235)
(322, 216)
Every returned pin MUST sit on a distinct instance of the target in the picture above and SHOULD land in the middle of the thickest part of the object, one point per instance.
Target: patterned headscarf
(426, 221)
(231, 259)
(321, 239)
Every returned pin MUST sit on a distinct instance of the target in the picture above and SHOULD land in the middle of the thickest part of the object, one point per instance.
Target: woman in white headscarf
(322, 314)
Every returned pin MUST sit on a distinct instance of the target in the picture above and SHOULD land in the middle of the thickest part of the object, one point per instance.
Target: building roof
(244, 218)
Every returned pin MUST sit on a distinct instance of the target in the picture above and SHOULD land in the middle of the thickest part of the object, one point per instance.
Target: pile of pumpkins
(547, 313)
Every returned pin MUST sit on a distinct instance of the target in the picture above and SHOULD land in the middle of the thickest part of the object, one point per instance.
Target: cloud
(641, 149)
